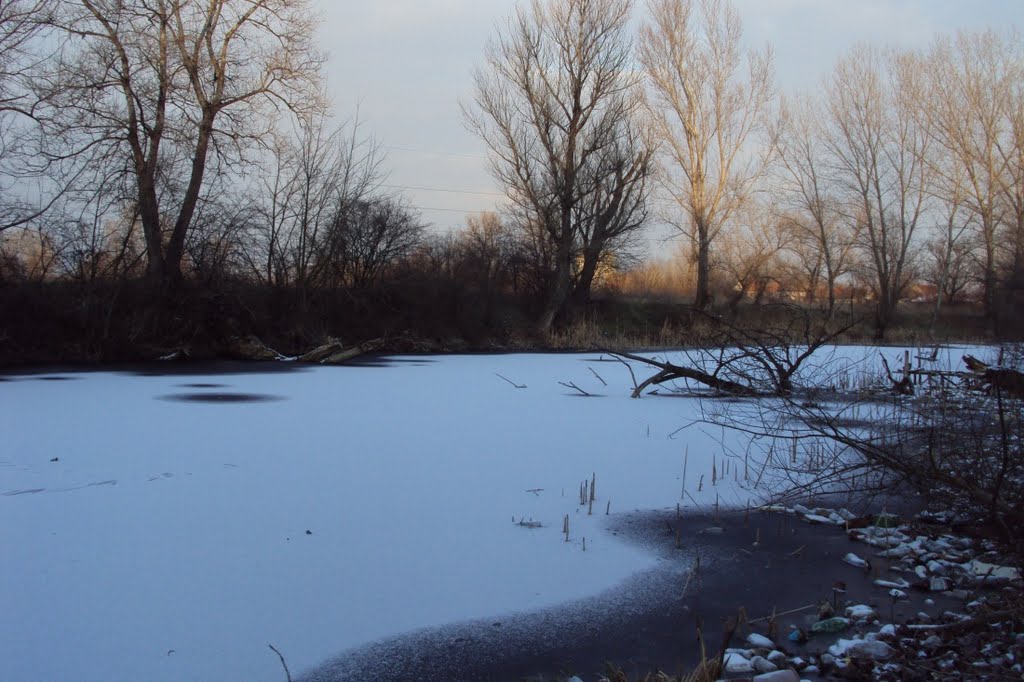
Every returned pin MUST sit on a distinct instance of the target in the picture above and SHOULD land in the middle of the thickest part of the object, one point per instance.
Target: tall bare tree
(950, 249)
(709, 103)
(970, 81)
(878, 146)
(1011, 151)
(556, 103)
(162, 88)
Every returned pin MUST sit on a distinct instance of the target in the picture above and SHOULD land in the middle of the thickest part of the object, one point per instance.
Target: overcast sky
(407, 64)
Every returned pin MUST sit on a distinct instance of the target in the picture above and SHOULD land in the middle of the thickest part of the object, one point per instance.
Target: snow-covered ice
(169, 539)
(147, 538)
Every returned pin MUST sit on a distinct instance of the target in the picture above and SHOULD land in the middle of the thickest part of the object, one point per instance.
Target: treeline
(902, 167)
(171, 172)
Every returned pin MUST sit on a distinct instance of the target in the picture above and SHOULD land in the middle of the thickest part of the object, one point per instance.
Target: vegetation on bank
(172, 176)
(106, 322)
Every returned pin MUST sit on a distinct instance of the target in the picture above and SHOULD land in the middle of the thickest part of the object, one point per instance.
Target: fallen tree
(748, 361)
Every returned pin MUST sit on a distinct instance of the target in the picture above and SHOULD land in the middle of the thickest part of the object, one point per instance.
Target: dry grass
(709, 670)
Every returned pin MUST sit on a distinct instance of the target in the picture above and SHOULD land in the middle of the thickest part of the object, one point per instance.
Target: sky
(405, 66)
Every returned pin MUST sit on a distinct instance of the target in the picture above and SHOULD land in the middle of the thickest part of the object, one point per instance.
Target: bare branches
(555, 103)
(878, 147)
(751, 361)
(671, 372)
(709, 102)
(163, 90)
(956, 447)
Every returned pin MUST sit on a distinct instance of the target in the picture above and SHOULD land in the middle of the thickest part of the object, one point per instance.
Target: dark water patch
(383, 361)
(213, 368)
(222, 398)
(201, 385)
(760, 562)
(56, 378)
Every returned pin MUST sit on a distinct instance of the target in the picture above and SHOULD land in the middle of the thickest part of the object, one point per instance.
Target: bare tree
(878, 147)
(950, 249)
(375, 235)
(556, 103)
(709, 103)
(29, 186)
(487, 249)
(749, 253)
(970, 81)
(317, 173)
(157, 87)
(822, 237)
(1011, 151)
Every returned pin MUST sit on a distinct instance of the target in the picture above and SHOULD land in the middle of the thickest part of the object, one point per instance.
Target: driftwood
(670, 372)
(322, 352)
(1002, 379)
(335, 353)
(979, 376)
(252, 348)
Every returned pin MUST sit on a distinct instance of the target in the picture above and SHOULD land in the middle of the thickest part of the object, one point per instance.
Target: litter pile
(982, 637)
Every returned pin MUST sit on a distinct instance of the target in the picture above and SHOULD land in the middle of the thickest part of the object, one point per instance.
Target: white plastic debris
(778, 676)
(735, 664)
(855, 560)
(861, 612)
(982, 570)
(860, 648)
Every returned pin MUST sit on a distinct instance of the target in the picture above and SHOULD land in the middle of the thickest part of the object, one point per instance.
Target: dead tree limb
(670, 372)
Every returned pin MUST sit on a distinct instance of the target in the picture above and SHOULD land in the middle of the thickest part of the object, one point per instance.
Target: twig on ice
(510, 381)
(286, 672)
(574, 387)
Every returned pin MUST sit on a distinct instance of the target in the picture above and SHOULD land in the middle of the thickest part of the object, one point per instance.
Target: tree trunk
(702, 301)
(581, 294)
(558, 292)
(149, 215)
(990, 284)
(176, 244)
(883, 314)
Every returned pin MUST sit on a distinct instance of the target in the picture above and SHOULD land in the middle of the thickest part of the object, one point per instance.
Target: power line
(433, 153)
(460, 210)
(448, 191)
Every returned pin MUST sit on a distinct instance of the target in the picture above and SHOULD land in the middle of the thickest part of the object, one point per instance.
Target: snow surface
(169, 541)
